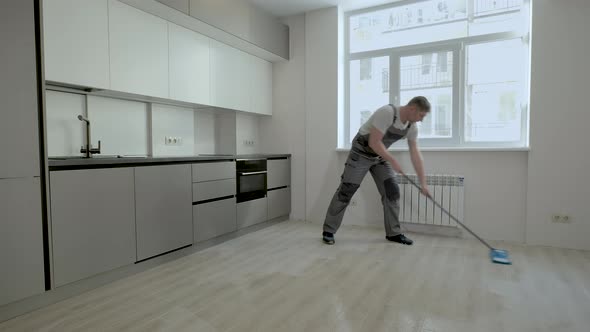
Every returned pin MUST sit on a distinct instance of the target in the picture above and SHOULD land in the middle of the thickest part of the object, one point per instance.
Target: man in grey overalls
(369, 154)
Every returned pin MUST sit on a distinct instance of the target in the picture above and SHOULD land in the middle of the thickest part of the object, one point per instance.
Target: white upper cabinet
(260, 86)
(76, 41)
(138, 51)
(230, 81)
(189, 65)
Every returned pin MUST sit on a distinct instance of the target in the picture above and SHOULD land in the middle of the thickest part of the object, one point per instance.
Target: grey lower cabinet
(214, 219)
(163, 206)
(279, 202)
(214, 202)
(92, 222)
(252, 212)
(21, 239)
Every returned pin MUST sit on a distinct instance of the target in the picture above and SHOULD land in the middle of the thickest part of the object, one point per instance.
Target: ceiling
(281, 8)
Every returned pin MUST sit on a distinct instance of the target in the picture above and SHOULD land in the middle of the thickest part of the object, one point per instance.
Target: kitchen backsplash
(127, 127)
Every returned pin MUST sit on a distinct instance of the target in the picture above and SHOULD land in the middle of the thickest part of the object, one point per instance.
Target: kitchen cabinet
(279, 187)
(214, 202)
(252, 212)
(260, 86)
(92, 221)
(19, 130)
(76, 42)
(279, 202)
(138, 44)
(163, 198)
(180, 5)
(230, 77)
(21, 239)
(232, 16)
(189, 65)
(215, 218)
(279, 172)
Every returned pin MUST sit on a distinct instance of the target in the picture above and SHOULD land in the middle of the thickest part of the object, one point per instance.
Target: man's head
(418, 108)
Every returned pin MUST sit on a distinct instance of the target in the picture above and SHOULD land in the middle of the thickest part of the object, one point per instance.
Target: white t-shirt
(382, 119)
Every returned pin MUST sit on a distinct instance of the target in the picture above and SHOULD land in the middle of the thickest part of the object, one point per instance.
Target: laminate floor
(283, 278)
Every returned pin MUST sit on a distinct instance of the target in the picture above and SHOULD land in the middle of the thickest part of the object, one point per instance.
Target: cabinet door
(230, 84)
(251, 212)
(189, 65)
(21, 239)
(76, 35)
(214, 219)
(279, 203)
(163, 203)
(138, 51)
(232, 16)
(261, 86)
(93, 222)
(279, 173)
(19, 132)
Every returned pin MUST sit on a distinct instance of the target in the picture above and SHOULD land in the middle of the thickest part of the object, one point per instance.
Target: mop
(497, 256)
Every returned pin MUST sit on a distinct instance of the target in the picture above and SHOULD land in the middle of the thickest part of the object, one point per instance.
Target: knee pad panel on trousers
(346, 191)
(391, 189)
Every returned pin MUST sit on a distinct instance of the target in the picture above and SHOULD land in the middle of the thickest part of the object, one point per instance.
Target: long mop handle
(448, 213)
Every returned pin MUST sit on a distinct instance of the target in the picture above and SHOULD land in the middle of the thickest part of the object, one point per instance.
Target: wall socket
(561, 218)
(173, 140)
(249, 142)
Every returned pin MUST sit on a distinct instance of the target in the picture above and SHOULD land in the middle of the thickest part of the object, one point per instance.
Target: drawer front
(251, 212)
(214, 219)
(279, 173)
(213, 189)
(214, 171)
(279, 203)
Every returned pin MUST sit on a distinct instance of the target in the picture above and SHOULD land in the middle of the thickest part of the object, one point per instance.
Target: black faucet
(88, 150)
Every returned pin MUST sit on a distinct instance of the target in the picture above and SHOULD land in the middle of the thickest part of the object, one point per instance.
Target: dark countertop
(70, 163)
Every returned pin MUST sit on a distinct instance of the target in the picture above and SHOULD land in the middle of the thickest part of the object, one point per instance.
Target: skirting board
(432, 229)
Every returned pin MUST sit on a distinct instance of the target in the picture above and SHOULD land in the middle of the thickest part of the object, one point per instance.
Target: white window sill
(461, 149)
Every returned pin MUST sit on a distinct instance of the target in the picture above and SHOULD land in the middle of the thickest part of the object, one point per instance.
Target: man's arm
(418, 163)
(376, 143)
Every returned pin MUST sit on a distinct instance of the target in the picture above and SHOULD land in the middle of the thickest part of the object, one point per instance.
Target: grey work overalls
(361, 160)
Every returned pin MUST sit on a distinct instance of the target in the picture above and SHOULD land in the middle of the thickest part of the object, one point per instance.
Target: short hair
(421, 102)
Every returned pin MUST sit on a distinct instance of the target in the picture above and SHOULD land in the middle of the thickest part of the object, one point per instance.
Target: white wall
(247, 134)
(171, 121)
(120, 125)
(559, 159)
(65, 133)
(321, 110)
(495, 191)
(284, 131)
(204, 132)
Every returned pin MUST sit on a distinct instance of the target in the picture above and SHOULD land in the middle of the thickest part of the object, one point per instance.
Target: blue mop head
(499, 256)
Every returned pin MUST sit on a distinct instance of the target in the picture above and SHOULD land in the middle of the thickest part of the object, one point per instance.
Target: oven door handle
(252, 173)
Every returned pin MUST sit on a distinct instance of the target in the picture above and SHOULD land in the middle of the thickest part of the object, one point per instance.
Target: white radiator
(416, 208)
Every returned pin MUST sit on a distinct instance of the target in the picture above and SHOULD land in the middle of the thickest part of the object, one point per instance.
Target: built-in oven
(251, 179)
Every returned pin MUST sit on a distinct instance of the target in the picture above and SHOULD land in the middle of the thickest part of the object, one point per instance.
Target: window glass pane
(430, 75)
(494, 91)
(411, 24)
(369, 89)
(488, 7)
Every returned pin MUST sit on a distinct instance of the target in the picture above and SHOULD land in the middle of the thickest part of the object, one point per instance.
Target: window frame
(459, 48)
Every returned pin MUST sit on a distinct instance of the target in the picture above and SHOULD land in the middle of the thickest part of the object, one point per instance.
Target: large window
(468, 57)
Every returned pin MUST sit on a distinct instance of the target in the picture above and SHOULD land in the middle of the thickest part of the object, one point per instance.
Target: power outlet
(561, 218)
(173, 140)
